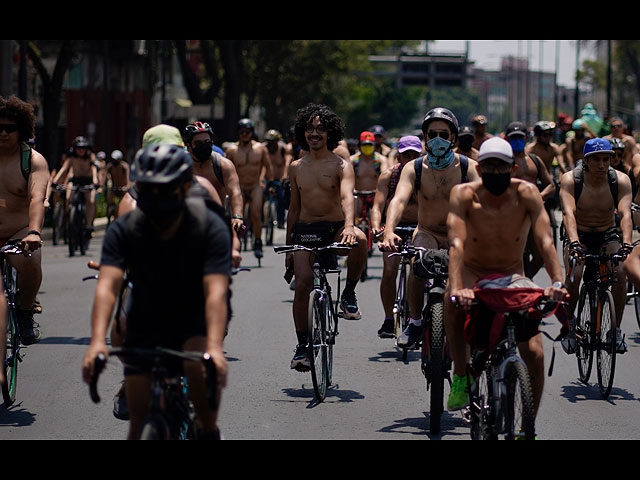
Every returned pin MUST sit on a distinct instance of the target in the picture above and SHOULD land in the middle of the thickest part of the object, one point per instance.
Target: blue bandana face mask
(439, 153)
(517, 144)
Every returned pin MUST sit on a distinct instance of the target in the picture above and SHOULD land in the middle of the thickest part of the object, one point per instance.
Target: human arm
(549, 186)
(232, 185)
(216, 290)
(107, 290)
(624, 208)
(379, 201)
(37, 186)
(396, 207)
(347, 186)
(459, 202)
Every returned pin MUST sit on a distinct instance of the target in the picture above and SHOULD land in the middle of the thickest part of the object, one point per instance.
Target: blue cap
(597, 145)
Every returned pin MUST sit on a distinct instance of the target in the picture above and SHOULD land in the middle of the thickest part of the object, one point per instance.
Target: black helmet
(616, 143)
(167, 165)
(193, 129)
(246, 123)
(543, 126)
(466, 131)
(441, 114)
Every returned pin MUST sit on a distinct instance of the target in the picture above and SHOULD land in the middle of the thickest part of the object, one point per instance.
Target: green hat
(162, 134)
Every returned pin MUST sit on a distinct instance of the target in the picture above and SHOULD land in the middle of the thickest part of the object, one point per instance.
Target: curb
(99, 224)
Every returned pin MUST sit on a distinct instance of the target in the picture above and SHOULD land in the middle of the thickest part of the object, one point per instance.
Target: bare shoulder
(465, 191)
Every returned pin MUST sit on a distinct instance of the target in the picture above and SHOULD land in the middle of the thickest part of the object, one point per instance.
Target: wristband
(238, 217)
(34, 232)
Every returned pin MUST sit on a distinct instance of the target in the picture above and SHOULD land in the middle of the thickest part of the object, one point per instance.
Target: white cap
(496, 147)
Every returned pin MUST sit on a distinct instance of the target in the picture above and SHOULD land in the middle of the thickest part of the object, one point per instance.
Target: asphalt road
(376, 395)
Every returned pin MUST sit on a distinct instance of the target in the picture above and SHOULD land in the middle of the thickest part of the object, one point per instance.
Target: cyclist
(320, 213)
(23, 187)
(617, 162)
(380, 136)
(617, 131)
(220, 171)
(4, 311)
(279, 161)
(575, 144)
(529, 167)
(190, 283)
(489, 222)
(543, 146)
(250, 157)
(80, 170)
(118, 175)
(590, 196)
(480, 134)
(432, 177)
(465, 143)
(409, 148)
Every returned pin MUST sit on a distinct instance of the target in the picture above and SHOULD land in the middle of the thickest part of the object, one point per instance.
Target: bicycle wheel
(154, 428)
(57, 223)
(436, 364)
(636, 303)
(606, 343)
(402, 309)
(584, 334)
(518, 408)
(317, 348)
(72, 232)
(11, 360)
(332, 332)
(269, 221)
(480, 410)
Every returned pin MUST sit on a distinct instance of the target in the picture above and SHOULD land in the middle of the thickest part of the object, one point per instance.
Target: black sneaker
(120, 407)
(300, 361)
(349, 305)
(29, 331)
(410, 337)
(257, 248)
(388, 329)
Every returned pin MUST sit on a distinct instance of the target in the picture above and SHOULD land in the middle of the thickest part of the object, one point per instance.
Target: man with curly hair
(320, 213)
(23, 186)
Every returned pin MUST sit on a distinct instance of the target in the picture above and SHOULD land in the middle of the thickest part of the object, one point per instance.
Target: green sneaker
(459, 396)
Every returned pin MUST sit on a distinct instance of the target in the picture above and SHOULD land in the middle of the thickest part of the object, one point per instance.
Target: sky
(487, 54)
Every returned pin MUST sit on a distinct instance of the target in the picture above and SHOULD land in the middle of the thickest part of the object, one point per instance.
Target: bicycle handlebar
(14, 247)
(205, 358)
(363, 193)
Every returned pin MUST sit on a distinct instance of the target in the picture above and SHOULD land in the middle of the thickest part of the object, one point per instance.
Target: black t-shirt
(167, 275)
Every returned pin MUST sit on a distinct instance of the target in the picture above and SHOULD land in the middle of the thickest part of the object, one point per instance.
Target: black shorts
(81, 181)
(594, 242)
(316, 234)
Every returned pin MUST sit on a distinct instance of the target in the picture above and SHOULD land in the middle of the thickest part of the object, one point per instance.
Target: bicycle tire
(518, 407)
(480, 409)
(636, 304)
(154, 428)
(71, 232)
(316, 349)
(11, 360)
(269, 213)
(332, 332)
(57, 223)
(584, 335)
(436, 343)
(606, 342)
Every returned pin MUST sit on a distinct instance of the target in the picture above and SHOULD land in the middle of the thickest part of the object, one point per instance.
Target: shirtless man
(480, 134)
(409, 148)
(118, 173)
(249, 158)
(575, 144)
(320, 213)
(489, 222)
(531, 171)
(590, 223)
(80, 170)
(280, 161)
(543, 147)
(440, 170)
(22, 195)
(380, 136)
(220, 171)
(617, 131)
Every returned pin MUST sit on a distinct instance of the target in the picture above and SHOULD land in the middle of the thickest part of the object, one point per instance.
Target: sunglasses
(8, 127)
(438, 133)
(617, 126)
(320, 129)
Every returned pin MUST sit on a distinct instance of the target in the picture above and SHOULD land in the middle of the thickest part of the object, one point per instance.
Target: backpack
(464, 167)
(25, 160)
(578, 179)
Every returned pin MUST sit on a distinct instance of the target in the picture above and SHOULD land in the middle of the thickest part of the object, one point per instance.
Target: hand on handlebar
(463, 298)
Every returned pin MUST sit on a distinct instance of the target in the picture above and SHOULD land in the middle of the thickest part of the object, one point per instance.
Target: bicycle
(171, 413)
(79, 233)
(112, 208)
(595, 328)
(12, 352)
(269, 212)
(323, 314)
(501, 398)
(363, 222)
(401, 304)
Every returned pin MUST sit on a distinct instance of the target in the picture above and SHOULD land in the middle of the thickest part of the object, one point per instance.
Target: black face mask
(465, 143)
(162, 210)
(202, 151)
(272, 147)
(496, 183)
